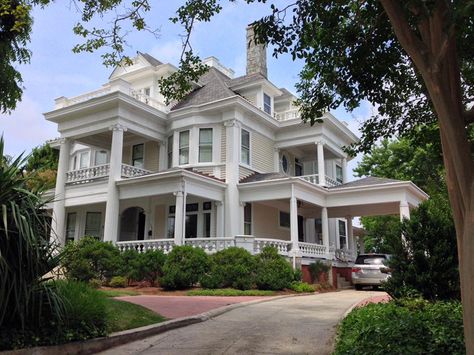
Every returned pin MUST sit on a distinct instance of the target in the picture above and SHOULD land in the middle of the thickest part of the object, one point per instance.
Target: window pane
(245, 138)
(342, 228)
(192, 207)
(248, 212)
(100, 157)
(171, 227)
(267, 104)
(170, 151)
(207, 205)
(84, 160)
(93, 222)
(184, 139)
(184, 156)
(338, 173)
(205, 154)
(206, 233)
(245, 156)
(247, 229)
(284, 219)
(205, 136)
(71, 226)
(137, 151)
(191, 226)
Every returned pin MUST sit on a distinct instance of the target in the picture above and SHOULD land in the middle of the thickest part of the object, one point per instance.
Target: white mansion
(232, 164)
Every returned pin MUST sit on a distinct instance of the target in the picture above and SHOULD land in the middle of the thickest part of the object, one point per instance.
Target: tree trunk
(434, 55)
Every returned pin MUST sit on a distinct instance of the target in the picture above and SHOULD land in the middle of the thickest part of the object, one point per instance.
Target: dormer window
(267, 104)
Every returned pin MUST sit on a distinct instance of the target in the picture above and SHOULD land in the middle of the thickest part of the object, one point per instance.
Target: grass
(123, 315)
(118, 293)
(230, 292)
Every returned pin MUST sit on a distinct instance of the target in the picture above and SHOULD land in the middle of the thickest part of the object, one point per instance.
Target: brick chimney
(256, 55)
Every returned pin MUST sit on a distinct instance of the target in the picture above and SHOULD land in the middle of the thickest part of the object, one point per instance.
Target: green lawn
(123, 315)
(118, 293)
(230, 292)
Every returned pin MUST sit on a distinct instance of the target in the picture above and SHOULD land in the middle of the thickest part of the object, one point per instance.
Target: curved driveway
(294, 325)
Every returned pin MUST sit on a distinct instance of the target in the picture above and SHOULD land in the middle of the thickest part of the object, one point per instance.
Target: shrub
(273, 271)
(317, 269)
(302, 287)
(212, 279)
(118, 281)
(236, 267)
(183, 268)
(297, 274)
(407, 327)
(95, 283)
(147, 266)
(90, 258)
(426, 261)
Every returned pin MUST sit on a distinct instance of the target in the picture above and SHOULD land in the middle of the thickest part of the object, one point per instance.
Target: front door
(141, 226)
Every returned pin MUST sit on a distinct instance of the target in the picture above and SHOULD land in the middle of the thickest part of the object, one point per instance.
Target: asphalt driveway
(295, 325)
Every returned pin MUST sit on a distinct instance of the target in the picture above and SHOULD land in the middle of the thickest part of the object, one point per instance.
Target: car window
(371, 260)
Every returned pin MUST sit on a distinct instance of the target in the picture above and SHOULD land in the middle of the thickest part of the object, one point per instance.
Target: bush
(302, 287)
(297, 274)
(426, 262)
(83, 317)
(273, 271)
(316, 270)
(406, 327)
(95, 283)
(236, 267)
(212, 279)
(147, 266)
(90, 258)
(118, 281)
(184, 267)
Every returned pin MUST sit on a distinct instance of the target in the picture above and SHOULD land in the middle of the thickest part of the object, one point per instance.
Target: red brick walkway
(183, 306)
(375, 299)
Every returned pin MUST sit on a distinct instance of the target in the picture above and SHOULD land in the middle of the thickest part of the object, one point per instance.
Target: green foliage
(42, 158)
(236, 266)
(230, 292)
(273, 271)
(90, 258)
(26, 252)
(427, 260)
(412, 327)
(95, 283)
(147, 266)
(184, 267)
(118, 281)
(302, 287)
(118, 293)
(213, 278)
(316, 269)
(297, 274)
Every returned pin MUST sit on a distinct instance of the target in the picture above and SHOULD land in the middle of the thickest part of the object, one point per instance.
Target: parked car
(370, 270)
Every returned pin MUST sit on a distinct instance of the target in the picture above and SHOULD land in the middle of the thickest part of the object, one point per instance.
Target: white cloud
(168, 52)
(25, 128)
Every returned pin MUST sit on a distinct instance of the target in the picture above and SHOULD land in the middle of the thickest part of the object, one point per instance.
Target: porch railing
(314, 179)
(344, 255)
(282, 246)
(211, 245)
(84, 175)
(132, 171)
(287, 115)
(310, 249)
(165, 245)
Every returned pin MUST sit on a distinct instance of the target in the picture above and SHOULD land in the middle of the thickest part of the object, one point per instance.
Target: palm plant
(26, 253)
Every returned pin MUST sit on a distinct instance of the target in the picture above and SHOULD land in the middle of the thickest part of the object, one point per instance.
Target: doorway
(132, 224)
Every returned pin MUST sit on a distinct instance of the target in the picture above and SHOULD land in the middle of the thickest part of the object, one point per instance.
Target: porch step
(342, 283)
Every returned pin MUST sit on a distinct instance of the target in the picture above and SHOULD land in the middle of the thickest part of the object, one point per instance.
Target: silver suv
(370, 270)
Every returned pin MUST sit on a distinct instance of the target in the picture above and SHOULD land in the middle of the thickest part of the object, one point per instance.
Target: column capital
(178, 193)
(404, 204)
(218, 203)
(231, 123)
(348, 217)
(320, 142)
(118, 127)
(242, 203)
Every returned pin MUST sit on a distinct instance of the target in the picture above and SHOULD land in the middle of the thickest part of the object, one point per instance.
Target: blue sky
(55, 71)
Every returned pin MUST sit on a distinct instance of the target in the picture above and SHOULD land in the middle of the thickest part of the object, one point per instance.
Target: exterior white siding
(266, 223)
(261, 153)
(152, 151)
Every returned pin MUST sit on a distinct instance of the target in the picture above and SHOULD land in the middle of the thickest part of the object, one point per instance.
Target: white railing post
(58, 227)
(321, 163)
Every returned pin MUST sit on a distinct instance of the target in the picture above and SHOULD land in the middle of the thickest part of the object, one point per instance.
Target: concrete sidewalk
(295, 325)
(173, 307)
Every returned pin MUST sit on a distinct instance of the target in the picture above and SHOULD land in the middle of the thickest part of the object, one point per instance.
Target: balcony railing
(287, 115)
(165, 245)
(85, 175)
(314, 179)
(310, 249)
(283, 246)
(211, 245)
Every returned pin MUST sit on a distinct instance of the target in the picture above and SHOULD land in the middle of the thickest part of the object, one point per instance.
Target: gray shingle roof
(245, 79)
(263, 177)
(150, 59)
(213, 87)
(367, 181)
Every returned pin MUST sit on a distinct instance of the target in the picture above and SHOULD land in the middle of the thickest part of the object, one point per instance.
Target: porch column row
(325, 227)
(112, 210)
(58, 222)
(404, 210)
(321, 166)
(179, 218)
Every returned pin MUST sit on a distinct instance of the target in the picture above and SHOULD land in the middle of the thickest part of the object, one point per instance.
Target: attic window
(267, 104)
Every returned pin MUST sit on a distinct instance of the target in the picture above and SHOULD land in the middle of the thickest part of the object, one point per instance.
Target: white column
(350, 234)
(232, 219)
(276, 160)
(344, 170)
(321, 165)
(58, 222)
(241, 218)
(404, 210)
(162, 162)
(179, 217)
(115, 170)
(294, 224)
(310, 231)
(219, 219)
(325, 227)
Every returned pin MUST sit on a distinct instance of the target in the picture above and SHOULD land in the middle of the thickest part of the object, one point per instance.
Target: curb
(119, 338)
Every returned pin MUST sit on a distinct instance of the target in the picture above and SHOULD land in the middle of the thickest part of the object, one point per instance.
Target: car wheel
(358, 287)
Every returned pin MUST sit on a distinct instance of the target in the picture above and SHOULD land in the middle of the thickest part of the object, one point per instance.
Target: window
(342, 234)
(248, 219)
(245, 147)
(93, 223)
(170, 151)
(170, 227)
(100, 157)
(84, 160)
(190, 220)
(284, 164)
(339, 174)
(191, 226)
(71, 227)
(284, 219)
(267, 104)
(206, 227)
(318, 227)
(137, 155)
(205, 145)
(298, 168)
(183, 147)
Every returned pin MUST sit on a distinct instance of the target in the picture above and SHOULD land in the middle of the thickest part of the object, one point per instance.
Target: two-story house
(231, 164)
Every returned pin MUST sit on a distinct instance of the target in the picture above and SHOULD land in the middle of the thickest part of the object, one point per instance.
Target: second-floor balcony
(93, 173)
(314, 179)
